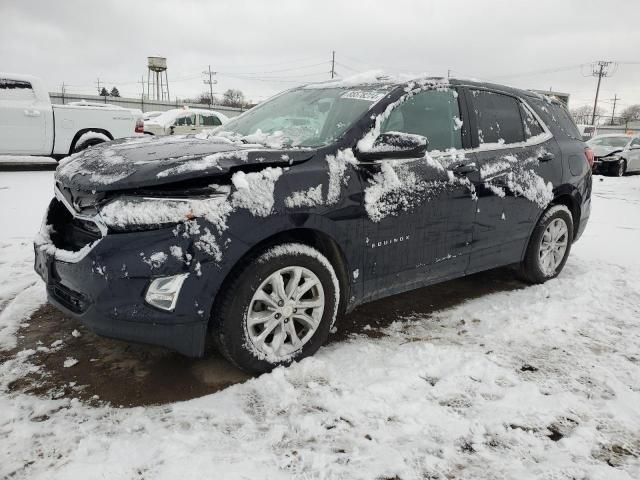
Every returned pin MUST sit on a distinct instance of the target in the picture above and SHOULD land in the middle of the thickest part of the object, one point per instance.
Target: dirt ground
(125, 374)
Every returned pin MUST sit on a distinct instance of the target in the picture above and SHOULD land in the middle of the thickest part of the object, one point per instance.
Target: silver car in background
(615, 154)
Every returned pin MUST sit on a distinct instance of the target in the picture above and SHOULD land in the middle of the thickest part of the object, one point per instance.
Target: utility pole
(142, 94)
(613, 111)
(98, 83)
(211, 82)
(63, 91)
(449, 73)
(333, 63)
(599, 69)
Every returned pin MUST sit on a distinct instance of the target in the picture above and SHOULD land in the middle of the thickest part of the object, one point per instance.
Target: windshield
(609, 141)
(305, 117)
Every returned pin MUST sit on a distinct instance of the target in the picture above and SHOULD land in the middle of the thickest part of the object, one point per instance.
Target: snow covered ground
(539, 382)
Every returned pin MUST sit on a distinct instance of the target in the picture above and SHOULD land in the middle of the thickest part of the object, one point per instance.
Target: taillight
(589, 154)
(139, 126)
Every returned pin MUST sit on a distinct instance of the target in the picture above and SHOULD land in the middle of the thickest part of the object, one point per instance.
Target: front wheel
(277, 309)
(549, 246)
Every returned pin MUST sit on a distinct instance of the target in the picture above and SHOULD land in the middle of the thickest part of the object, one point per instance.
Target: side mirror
(395, 145)
(172, 129)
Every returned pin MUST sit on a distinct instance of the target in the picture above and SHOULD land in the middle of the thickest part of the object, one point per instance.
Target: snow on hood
(150, 160)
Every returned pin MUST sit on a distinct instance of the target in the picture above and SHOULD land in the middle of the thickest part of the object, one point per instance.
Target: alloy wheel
(285, 311)
(553, 246)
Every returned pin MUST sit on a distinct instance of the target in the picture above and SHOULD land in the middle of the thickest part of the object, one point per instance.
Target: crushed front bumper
(103, 283)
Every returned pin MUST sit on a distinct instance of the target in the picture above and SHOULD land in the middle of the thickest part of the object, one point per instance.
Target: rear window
(498, 117)
(16, 90)
(209, 121)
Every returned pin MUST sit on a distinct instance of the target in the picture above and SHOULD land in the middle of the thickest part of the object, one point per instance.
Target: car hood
(603, 150)
(151, 161)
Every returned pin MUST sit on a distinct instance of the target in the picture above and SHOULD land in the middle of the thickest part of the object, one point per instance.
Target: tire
(82, 144)
(251, 327)
(619, 169)
(537, 266)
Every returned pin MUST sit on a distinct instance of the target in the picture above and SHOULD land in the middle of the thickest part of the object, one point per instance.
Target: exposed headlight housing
(132, 212)
(163, 292)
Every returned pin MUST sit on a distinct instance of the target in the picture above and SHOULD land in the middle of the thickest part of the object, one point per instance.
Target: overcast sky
(262, 47)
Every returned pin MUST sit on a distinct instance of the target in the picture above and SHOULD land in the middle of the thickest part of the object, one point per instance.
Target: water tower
(156, 84)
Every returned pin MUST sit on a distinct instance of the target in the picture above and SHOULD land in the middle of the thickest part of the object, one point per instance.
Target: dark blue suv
(261, 233)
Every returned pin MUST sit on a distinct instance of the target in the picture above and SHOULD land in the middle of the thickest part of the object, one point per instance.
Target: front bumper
(104, 285)
(604, 166)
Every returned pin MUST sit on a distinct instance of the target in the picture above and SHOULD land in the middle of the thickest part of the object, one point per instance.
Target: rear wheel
(89, 139)
(277, 309)
(549, 246)
(620, 168)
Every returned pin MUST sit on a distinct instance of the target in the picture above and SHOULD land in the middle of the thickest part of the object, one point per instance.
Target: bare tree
(630, 113)
(233, 98)
(583, 114)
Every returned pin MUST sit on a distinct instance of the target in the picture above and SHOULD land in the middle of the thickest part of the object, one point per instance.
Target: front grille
(70, 299)
(68, 232)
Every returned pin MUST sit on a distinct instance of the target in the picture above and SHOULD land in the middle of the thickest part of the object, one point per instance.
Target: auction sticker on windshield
(367, 95)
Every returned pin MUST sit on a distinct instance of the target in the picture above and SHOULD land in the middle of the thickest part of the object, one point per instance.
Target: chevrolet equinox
(261, 233)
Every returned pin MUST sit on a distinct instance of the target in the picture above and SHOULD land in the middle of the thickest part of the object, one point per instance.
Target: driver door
(419, 213)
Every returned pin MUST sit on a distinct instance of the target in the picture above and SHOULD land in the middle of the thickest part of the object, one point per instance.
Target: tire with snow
(89, 139)
(279, 307)
(549, 246)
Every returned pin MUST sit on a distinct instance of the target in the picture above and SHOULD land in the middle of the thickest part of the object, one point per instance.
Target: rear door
(24, 120)
(420, 215)
(519, 162)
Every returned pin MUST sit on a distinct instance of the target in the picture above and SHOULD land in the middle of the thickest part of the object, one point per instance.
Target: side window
(16, 90)
(209, 121)
(498, 117)
(635, 143)
(186, 120)
(531, 126)
(433, 114)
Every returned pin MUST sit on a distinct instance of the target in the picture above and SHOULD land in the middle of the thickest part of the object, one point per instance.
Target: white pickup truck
(31, 125)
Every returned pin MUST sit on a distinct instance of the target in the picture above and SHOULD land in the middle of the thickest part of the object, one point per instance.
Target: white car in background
(615, 154)
(31, 125)
(184, 121)
(151, 115)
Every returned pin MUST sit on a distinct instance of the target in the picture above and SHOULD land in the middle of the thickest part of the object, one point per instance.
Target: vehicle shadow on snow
(126, 374)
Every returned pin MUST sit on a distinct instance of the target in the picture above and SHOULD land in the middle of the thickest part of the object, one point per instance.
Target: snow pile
(254, 191)
(305, 198)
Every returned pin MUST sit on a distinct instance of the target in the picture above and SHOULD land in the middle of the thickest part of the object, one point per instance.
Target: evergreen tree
(115, 92)
(104, 92)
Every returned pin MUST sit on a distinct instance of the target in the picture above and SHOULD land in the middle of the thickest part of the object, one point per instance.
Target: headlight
(163, 291)
(129, 213)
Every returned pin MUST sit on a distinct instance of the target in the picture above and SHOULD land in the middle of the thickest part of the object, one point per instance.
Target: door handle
(464, 168)
(32, 113)
(546, 157)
